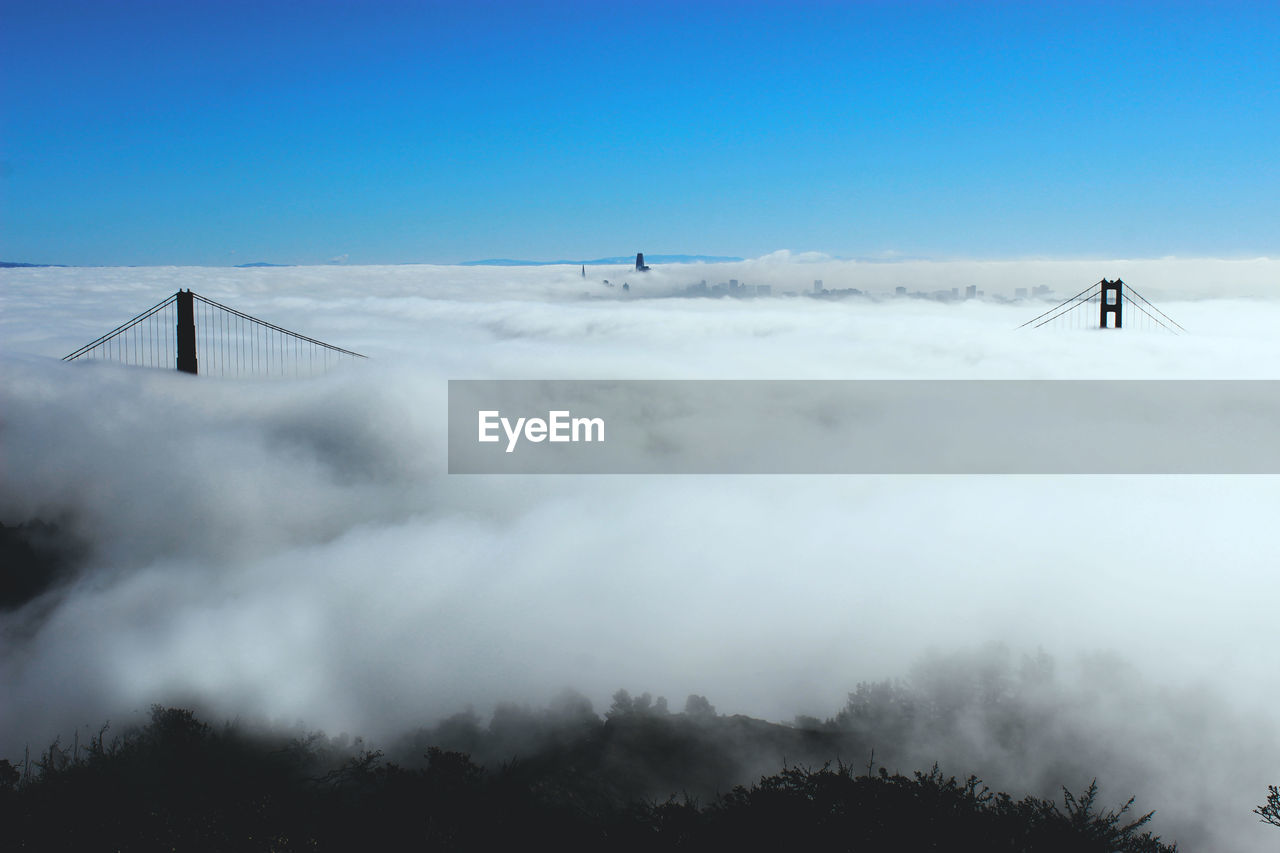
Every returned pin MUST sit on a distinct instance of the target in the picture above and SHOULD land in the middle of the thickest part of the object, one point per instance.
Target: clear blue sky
(199, 132)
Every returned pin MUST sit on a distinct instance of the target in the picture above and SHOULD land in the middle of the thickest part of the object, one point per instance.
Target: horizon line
(780, 256)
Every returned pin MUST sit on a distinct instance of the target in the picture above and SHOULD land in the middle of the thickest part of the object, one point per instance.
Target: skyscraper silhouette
(640, 267)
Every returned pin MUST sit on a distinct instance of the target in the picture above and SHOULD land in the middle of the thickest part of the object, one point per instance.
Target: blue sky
(218, 133)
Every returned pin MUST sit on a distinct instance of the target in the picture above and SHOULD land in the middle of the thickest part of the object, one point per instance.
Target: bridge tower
(187, 332)
(1112, 300)
(233, 342)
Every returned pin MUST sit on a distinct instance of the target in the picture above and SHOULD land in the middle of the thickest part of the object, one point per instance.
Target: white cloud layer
(296, 549)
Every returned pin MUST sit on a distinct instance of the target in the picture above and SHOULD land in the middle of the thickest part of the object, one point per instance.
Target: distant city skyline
(224, 133)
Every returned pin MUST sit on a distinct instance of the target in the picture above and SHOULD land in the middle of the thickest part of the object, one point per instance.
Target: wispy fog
(294, 550)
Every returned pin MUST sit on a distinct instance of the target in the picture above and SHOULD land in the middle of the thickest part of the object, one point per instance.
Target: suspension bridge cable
(1062, 313)
(1153, 308)
(1063, 302)
(1086, 301)
(276, 328)
(1153, 319)
(120, 329)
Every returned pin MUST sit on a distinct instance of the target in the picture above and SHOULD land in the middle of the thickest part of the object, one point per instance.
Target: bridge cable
(1087, 300)
(121, 328)
(1063, 302)
(1153, 308)
(276, 328)
(1148, 313)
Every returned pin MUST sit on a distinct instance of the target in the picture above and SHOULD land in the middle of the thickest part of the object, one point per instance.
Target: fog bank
(296, 549)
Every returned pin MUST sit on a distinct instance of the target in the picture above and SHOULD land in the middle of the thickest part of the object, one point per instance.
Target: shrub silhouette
(179, 783)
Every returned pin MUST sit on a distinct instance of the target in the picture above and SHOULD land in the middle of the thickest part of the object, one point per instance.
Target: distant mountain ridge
(629, 259)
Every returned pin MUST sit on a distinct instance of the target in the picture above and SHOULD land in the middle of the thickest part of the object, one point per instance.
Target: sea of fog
(295, 550)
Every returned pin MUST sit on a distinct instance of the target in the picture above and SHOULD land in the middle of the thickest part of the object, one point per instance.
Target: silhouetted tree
(622, 704)
(1269, 811)
(9, 776)
(570, 705)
